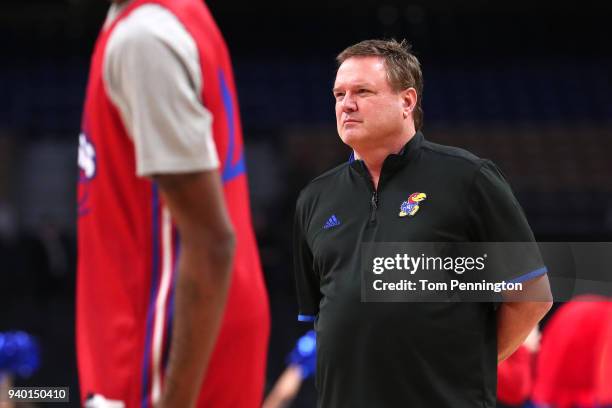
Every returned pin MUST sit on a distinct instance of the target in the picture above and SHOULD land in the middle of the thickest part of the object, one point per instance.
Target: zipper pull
(374, 206)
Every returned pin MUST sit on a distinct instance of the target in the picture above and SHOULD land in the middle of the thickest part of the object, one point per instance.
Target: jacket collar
(394, 162)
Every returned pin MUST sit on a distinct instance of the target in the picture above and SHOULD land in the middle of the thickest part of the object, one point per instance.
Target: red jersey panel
(128, 245)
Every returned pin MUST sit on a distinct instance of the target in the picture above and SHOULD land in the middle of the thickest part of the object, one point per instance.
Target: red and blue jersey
(128, 245)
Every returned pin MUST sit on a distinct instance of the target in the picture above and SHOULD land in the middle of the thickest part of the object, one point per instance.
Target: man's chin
(351, 137)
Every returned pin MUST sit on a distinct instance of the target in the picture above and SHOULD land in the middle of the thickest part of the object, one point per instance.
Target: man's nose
(348, 103)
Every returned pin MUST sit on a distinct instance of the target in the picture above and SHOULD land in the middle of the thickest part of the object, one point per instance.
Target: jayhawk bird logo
(411, 206)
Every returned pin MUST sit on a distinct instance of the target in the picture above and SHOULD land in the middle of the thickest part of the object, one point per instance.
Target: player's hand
(19, 354)
(532, 342)
(304, 355)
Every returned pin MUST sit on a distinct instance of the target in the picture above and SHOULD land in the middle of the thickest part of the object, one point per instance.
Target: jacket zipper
(374, 197)
(373, 206)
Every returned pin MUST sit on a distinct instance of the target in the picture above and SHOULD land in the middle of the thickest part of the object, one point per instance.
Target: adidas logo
(332, 222)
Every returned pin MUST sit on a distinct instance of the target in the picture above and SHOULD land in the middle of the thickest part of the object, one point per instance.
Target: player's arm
(204, 268)
(520, 313)
(306, 279)
(496, 217)
(302, 364)
(152, 75)
(285, 389)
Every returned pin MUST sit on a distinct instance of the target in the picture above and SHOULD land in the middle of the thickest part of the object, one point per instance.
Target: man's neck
(375, 157)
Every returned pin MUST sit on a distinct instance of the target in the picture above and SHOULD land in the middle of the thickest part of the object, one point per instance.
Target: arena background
(526, 84)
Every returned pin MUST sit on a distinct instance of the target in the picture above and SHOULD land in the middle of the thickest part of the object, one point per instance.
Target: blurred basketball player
(171, 305)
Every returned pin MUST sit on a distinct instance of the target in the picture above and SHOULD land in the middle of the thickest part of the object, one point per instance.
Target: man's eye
(363, 91)
(338, 95)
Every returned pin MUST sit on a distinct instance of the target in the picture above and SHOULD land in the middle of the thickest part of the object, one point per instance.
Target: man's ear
(409, 101)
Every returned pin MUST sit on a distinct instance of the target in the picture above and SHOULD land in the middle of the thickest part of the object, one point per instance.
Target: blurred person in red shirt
(574, 365)
(515, 374)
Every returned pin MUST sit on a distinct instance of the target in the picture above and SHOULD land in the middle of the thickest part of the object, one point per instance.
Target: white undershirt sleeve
(152, 74)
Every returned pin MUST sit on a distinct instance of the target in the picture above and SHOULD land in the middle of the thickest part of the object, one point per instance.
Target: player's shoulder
(329, 177)
(148, 17)
(464, 166)
(323, 182)
(146, 26)
(452, 154)
(455, 161)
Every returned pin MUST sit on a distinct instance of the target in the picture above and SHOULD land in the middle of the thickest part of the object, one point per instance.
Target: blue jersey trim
(529, 275)
(154, 282)
(306, 318)
(170, 303)
(230, 170)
